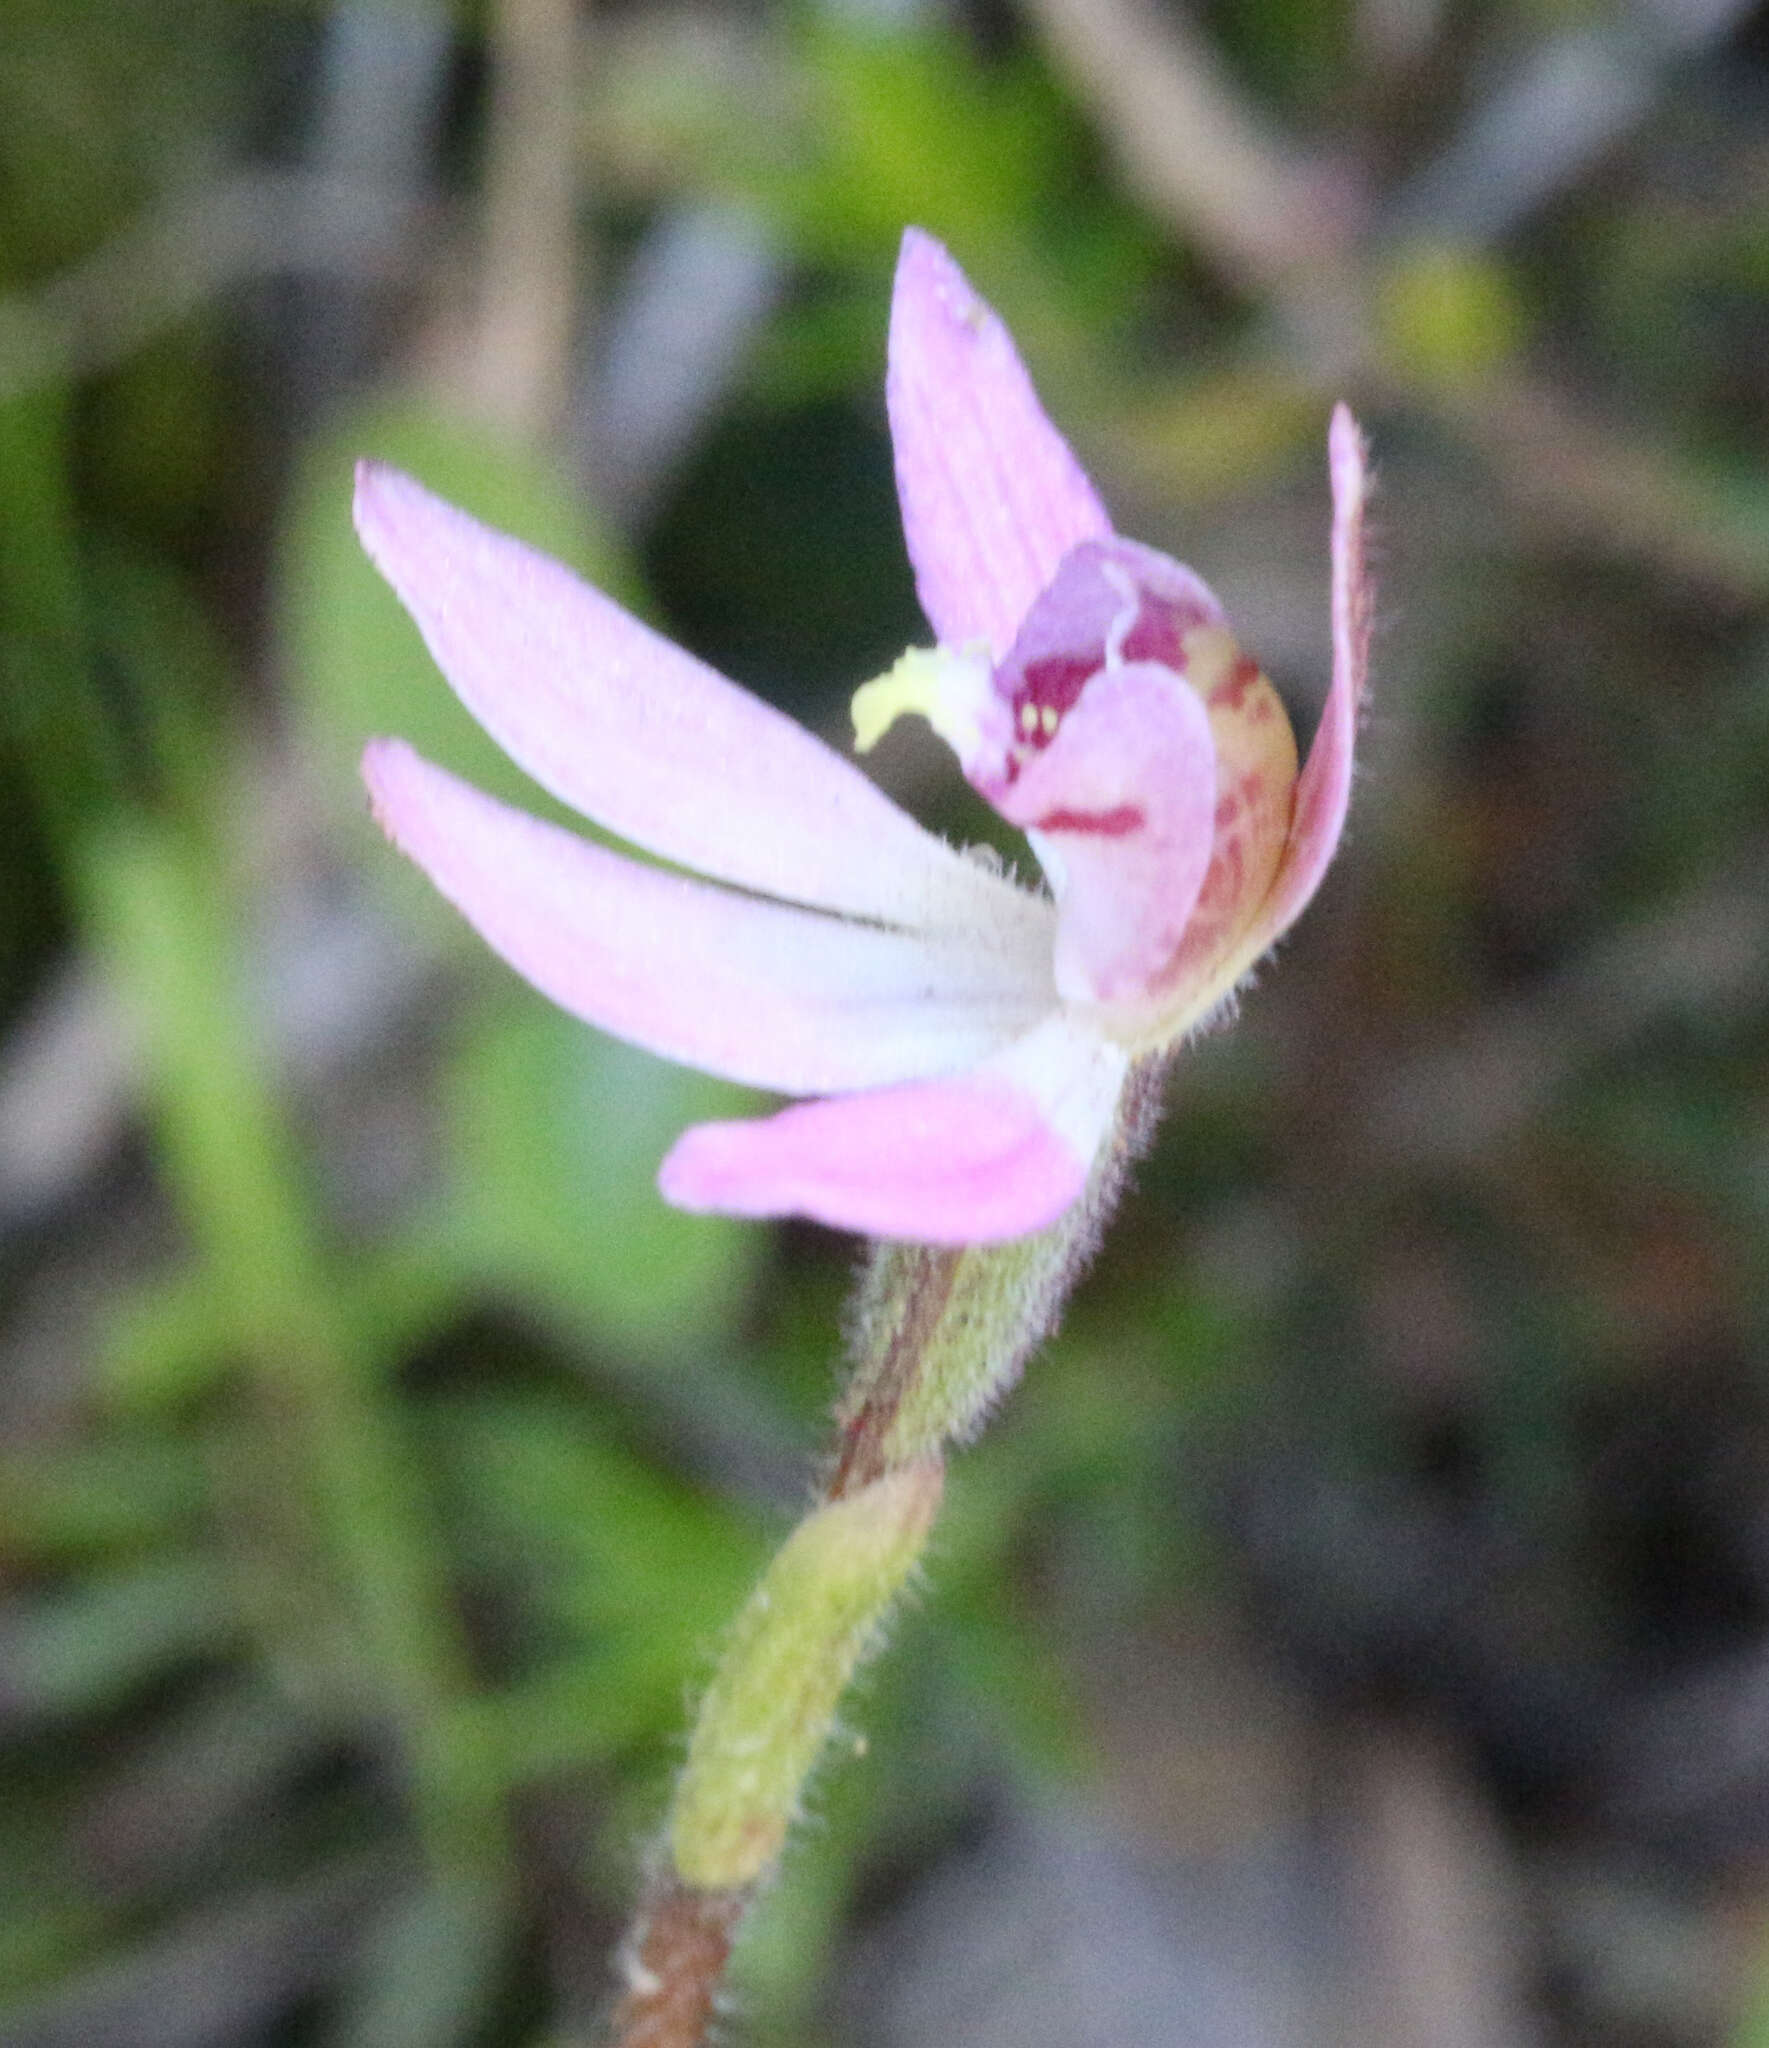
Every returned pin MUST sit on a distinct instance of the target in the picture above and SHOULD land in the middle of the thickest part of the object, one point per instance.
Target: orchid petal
(992, 497)
(1323, 789)
(1255, 799)
(759, 991)
(1121, 804)
(993, 1153)
(1109, 600)
(649, 742)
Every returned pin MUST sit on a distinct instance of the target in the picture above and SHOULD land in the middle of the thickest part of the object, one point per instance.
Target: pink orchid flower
(964, 1039)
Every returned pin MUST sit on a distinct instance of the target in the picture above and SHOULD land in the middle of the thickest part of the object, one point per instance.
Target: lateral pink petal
(994, 1153)
(1124, 798)
(992, 497)
(1323, 789)
(637, 734)
(758, 991)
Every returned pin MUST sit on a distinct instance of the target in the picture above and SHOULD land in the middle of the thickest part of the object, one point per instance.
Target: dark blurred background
(1356, 1629)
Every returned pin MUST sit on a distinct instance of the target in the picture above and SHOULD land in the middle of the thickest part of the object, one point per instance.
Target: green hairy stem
(939, 1335)
(818, 1609)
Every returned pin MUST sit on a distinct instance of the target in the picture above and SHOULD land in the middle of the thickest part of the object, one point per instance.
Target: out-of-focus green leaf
(228, 1158)
(556, 1133)
(113, 1493)
(50, 716)
(914, 129)
(164, 655)
(988, 1636)
(98, 101)
(165, 1343)
(909, 124)
(1214, 434)
(158, 434)
(871, 125)
(170, 1340)
(231, 1162)
(427, 1972)
(626, 1579)
(1295, 50)
(1447, 315)
(88, 1646)
(43, 1937)
(597, 1536)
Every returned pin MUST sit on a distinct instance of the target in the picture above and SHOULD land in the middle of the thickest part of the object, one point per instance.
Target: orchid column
(979, 1059)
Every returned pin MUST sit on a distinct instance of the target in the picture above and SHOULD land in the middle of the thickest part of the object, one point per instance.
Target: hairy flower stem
(675, 1961)
(941, 1333)
(939, 1336)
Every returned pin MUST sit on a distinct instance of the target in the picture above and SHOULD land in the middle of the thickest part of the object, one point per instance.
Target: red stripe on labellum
(1113, 824)
(1160, 630)
(1230, 694)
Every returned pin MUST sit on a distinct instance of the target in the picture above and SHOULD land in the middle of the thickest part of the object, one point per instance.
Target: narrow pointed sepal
(992, 496)
(1323, 789)
(637, 734)
(768, 993)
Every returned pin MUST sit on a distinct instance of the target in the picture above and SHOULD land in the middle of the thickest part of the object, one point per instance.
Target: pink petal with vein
(992, 497)
(1113, 597)
(762, 992)
(994, 1153)
(649, 742)
(968, 1161)
(1323, 790)
(1125, 798)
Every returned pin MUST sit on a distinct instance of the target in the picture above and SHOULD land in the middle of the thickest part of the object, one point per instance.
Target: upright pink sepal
(1323, 789)
(992, 497)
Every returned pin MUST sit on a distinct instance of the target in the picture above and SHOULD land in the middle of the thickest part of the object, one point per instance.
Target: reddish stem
(675, 1966)
(864, 1419)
